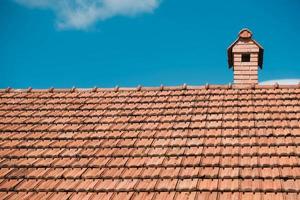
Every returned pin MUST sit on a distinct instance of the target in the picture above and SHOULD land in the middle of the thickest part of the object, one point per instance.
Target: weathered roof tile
(214, 142)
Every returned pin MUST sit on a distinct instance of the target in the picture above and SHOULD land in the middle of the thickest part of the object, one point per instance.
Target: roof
(245, 35)
(208, 142)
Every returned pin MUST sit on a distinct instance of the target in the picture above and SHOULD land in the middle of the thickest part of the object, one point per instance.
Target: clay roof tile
(207, 142)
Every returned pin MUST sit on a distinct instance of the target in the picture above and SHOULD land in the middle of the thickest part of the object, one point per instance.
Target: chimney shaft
(245, 55)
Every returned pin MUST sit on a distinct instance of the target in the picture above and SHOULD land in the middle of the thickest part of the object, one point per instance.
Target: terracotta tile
(194, 141)
(250, 172)
(270, 172)
(35, 195)
(229, 172)
(207, 184)
(127, 184)
(150, 172)
(59, 162)
(229, 161)
(196, 151)
(188, 172)
(60, 195)
(229, 184)
(212, 141)
(210, 160)
(146, 184)
(67, 184)
(151, 161)
(265, 160)
(143, 142)
(191, 160)
(143, 195)
(178, 142)
(209, 171)
(73, 173)
(8, 184)
(132, 172)
(197, 132)
(207, 195)
(229, 195)
(247, 161)
(160, 142)
(107, 184)
(166, 184)
(18, 195)
(158, 151)
(187, 184)
(19, 173)
(295, 171)
(102, 196)
(5, 171)
(214, 124)
(275, 196)
(172, 161)
(55, 172)
(169, 172)
(138, 161)
(28, 184)
(250, 184)
(118, 162)
(81, 196)
(185, 195)
(122, 195)
(291, 196)
(250, 196)
(86, 184)
(164, 195)
(197, 125)
(230, 132)
(231, 150)
(108, 172)
(289, 185)
(271, 185)
(230, 124)
(48, 184)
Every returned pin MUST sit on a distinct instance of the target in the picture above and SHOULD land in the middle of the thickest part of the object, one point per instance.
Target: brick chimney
(245, 55)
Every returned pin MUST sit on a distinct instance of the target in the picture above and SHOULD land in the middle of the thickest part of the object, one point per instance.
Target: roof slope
(213, 142)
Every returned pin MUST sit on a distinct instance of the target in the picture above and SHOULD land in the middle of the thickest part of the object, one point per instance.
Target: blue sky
(104, 43)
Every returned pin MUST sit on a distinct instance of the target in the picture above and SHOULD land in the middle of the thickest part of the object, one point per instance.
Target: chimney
(245, 55)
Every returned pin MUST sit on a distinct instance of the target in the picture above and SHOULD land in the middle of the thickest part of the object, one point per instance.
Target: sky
(105, 43)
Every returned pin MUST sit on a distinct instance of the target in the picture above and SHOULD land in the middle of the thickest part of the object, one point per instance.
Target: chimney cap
(245, 33)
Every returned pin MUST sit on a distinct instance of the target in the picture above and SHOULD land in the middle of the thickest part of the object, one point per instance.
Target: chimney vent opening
(246, 57)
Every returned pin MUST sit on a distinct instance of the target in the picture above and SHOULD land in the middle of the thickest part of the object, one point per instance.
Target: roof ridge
(155, 88)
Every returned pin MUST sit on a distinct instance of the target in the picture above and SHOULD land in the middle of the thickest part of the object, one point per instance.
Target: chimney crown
(245, 55)
(245, 34)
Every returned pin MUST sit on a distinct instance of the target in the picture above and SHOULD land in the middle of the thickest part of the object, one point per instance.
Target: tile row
(259, 134)
(217, 106)
(168, 114)
(151, 185)
(137, 162)
(251, 144)
(293, 124)
(115, 92)
(150, 101)
(245, 119)
(283, 173)
(150, 196)
(137, 153)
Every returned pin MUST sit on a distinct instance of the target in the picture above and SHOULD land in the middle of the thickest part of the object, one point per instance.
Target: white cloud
(82, 14)
(281, 82)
